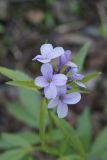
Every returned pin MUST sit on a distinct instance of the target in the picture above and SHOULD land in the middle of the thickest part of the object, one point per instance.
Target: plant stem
(42, 122)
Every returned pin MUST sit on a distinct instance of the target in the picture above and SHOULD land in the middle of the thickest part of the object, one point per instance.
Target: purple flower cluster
(56, 80)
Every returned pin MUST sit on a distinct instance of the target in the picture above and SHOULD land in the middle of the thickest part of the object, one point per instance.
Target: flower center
(61, 97)
(49, 80)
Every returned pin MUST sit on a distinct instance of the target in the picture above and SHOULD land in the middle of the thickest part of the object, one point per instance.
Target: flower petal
(47, 70)
(81, 84)
(50, 91)
(62, 60)
(45, 49)
(62, 90)
(40, 58)
(41, 82)
(71, 64)
(80, 76)
(58, 51)
(62, 110)
(72, 98)
(68, 54)
(59, 79)
(53, 103)
(74, 70)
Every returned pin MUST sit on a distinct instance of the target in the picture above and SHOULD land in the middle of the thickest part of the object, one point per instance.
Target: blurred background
(26, 24)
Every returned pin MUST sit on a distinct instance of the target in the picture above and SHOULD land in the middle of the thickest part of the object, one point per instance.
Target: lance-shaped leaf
(84, 128)
(15, 154)
(23, 139)
(24, 84)
(21, 114)
(90, 76)
(14, 75)
(80, 57)
(100, 144)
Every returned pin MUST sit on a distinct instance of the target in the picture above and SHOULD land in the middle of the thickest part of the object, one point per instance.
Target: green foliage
(32, 99)
(70, 135)
(65, 143)
(2, 29)
(49, 20)
(73, 157)
(100, 144)
(75, 8)
(24, 139)
(80, 57)
(21, 114)
(22, 111)
(90, 76)
(42, 120)
(25, 84)
(15, 154)
(19, 78)
(84, 128)
(103, 30)
(14, 75)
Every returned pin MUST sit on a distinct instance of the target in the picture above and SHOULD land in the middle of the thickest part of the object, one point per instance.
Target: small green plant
(50, 134)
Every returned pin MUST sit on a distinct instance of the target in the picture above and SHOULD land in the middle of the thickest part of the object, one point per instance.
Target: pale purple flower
(65, 59)
(50, 81)
(77, 77)
(48, 53)
(62, 100)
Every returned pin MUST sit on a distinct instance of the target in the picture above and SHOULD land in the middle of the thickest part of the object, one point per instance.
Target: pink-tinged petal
(59, 79)
(62, 90)
(53, 103)
(41, 59)
(72, 98)
(41, 82)
(45, 49)
(62, 110)
(47, 70)
(50, 91)
(58, 51)
(81, 84)
(71, 64)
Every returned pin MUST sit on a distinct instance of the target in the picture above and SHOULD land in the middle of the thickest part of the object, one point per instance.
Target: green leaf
(76, 88)
(31, 102)
(70, 135)
(23, 139)
(54, 135)
(84, 128)
(14, 75)
(15, 140)
(21, 114)
(31, 137)
(90, 76)
(15, 154)
(80, 57)
(70, 157)
(100, 144)
(25, 84)
(103, 155)
(4, 144)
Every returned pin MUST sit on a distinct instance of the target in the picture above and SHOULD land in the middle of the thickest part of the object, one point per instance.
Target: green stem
(42, 121)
